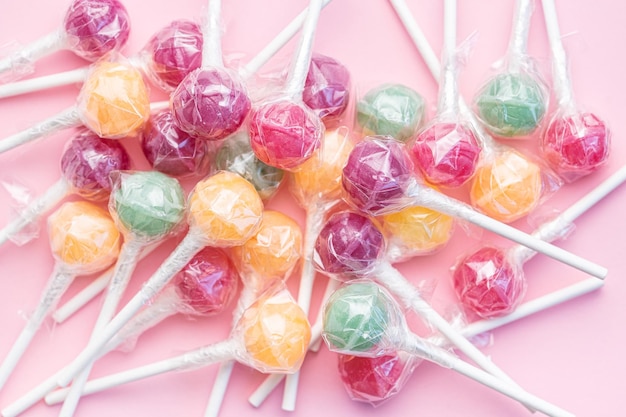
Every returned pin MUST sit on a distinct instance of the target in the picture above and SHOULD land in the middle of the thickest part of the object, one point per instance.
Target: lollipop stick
(212, 45)
(35, 209)
(191, 244)
(43, 83)
(19, 63)
(518, 45)
(449, 96)
(562, 81)
(57, 284)
(65, 119)
(207, 355)
(442, 357)
(218, 390)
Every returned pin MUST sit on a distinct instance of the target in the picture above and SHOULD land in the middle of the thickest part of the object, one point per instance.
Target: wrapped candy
(86, 164)
(91, 29)
(284, 132)
(113, 103)
(327, 88)
(223, 210)
(576, 142)
(84, 240)
(362, 319)
(513, 103)
(391, 109)
(271, 336)
(235, 154)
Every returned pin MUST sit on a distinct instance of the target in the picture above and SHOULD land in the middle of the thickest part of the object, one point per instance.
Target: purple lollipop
(327, 87)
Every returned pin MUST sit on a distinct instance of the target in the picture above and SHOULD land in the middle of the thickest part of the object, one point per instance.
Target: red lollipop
(327, 88)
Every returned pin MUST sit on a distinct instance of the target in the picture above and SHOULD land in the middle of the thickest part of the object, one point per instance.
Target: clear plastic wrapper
(391, 110)
(327, 88)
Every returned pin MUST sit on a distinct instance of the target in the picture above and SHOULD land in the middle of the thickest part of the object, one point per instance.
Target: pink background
(570, 355)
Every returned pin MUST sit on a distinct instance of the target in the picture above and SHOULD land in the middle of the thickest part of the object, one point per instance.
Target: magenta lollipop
(91, 29)
(86, 164)
(576, 143)
(171, 150)
(327, 88)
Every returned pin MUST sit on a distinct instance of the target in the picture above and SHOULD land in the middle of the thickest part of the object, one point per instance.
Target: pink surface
(571, 355)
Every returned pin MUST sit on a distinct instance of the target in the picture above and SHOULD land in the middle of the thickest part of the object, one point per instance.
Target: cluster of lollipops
(371, 195)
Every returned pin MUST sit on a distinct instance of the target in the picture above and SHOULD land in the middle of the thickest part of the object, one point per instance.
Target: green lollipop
(391, 109)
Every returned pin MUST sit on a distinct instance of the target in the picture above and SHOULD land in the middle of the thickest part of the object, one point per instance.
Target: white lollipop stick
(42, 83)
(64, 120)
(518, 44)
(191, 244)
(57, 285)
(212, 36)
(449, 94)
(20, 62)
(414, 345)
(562, 82)
(35, 210)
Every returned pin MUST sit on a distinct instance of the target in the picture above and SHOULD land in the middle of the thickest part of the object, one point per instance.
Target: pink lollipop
(576, 143)
(327, 88)
(86, 164)
(91, 29)
(284, 132)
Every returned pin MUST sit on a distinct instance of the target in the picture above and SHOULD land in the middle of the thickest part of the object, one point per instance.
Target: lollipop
(327, 88)
(84, 240)
(147, 206)
(576, 143)
(86, 164)
(91, 29)
(113, 103)
(391, 109)
(490, 282)
(236, 155)
(363, 320)
(224, 210)
(446, 150)
(284, 132)
(513, 103)
(271, 336)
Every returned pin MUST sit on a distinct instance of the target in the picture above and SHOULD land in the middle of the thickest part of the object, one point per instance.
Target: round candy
(273, 252)
(284, 134)
(172, 53)
(87, 162)
(319, 178)
(327, 87)
(83, 237)
(172, 151)
(114, 101)
(96, 27)
(208, 283)
(276, 334)
(236, 155)
(376, 175)
(576, 144)
(210, 103)
(446, 153)
(488, 284)
(391, 109)
(508, 188)
(356, 318)
(226, 208)
(348, 244)
(512, 104)
(147, 204)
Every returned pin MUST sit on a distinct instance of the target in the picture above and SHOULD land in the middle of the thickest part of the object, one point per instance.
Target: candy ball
(276, 334)
(210, 103)
(391, 109)
(172, 53)
(226, 209)
(349, 243)
(284, 134)
(147, 204)
(446, 153)
(96, 27)
(83, 237)
(356, 318)
(508, 187)
(576, 144)
(512, 104)
(87, 162)
(172, 151)
(236, 155)
(114, 101)
(488, 284)
(273, 252)
(327, 87)
(208, 283)
(376, 175)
